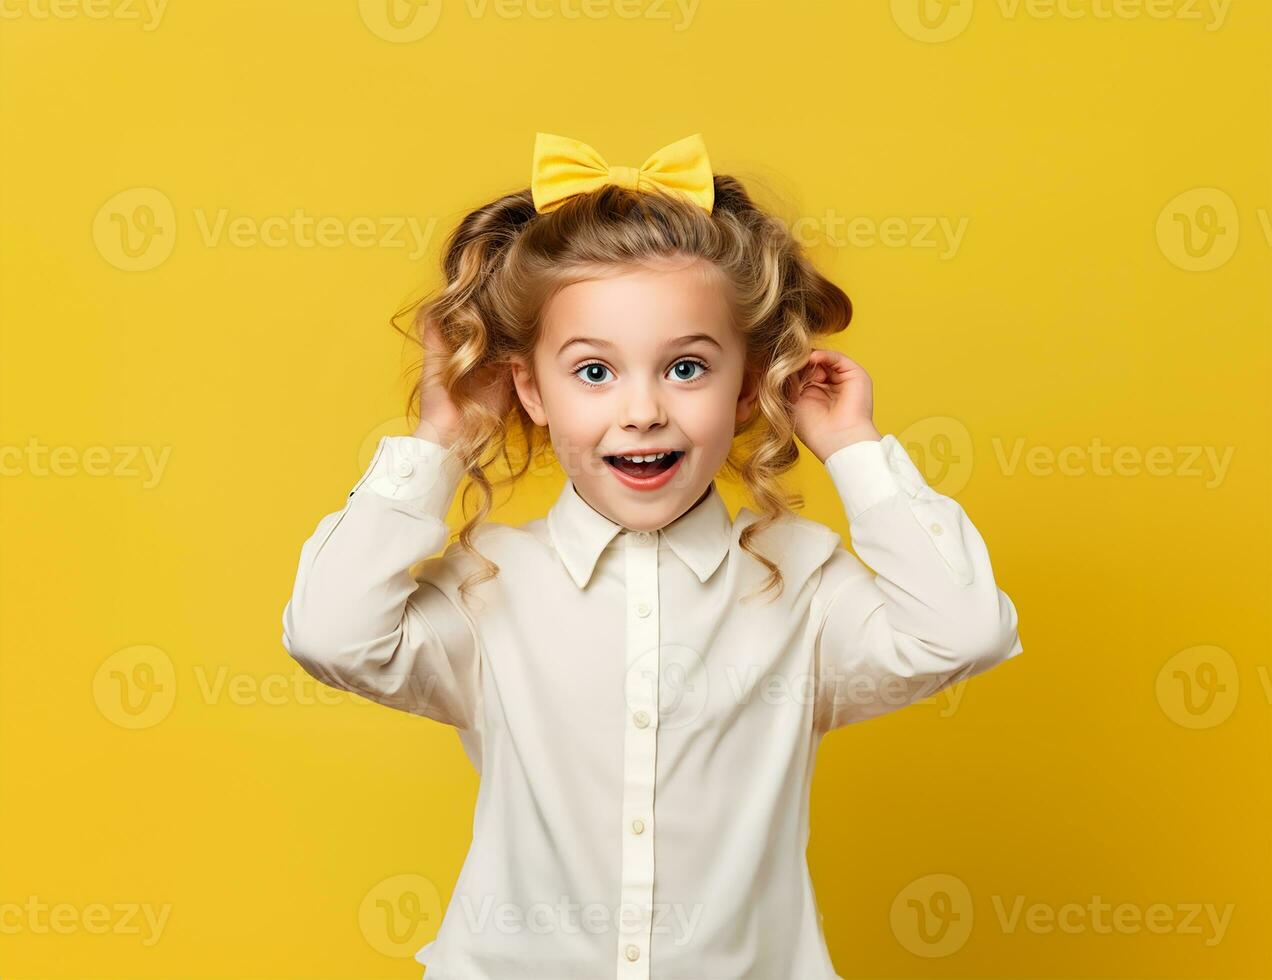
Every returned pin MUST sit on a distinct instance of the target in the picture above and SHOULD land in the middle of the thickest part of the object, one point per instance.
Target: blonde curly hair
(505, 261)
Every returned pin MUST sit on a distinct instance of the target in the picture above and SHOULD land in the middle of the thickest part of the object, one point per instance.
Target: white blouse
(645, 737)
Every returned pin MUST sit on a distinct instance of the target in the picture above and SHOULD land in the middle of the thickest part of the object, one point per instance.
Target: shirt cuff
(417, 471)
(867, 472)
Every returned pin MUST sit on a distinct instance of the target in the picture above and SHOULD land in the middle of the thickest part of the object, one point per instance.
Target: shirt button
(633, 953)
(937, 529)
(641, 718)
(638, 826)
(642, 609)
(642, 537)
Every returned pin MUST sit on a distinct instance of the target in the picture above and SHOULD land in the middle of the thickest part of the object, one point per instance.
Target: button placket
(640, 741)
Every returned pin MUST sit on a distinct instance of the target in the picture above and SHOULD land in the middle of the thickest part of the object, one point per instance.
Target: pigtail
(466, 311)
(783, 303)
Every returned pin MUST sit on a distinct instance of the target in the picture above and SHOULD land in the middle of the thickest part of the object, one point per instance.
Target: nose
(643, 408)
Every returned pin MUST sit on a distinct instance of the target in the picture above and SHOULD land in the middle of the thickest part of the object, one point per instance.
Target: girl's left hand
(833, 403)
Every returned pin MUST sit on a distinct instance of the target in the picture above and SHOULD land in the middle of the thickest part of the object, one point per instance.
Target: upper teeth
(643, 459)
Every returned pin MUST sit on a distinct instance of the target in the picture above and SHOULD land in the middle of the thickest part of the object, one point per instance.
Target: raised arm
(358, 619)
(931, 613)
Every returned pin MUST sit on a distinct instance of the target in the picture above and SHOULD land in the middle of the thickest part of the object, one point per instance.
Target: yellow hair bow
(564, 167)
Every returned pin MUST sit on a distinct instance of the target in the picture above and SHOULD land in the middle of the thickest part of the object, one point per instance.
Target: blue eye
(693, 363)
(594, 382)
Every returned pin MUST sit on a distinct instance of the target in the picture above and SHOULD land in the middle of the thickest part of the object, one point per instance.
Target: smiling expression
(640, 361)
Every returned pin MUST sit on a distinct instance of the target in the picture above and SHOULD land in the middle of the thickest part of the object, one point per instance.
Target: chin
(657, 514)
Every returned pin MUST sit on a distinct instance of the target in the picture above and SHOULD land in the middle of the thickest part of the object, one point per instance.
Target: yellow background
(1086, 304)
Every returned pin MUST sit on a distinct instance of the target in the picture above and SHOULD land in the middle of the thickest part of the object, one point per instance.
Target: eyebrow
(674, 342)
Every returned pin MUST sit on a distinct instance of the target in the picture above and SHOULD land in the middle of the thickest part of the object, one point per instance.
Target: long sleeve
(359, 620)
(931, 613)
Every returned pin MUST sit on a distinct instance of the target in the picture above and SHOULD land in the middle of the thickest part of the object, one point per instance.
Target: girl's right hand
(439, 418)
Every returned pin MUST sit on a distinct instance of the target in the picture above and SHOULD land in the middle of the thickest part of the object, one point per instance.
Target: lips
(645, 476)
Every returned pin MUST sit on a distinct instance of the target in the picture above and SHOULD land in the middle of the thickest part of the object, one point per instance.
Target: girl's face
(643, 361)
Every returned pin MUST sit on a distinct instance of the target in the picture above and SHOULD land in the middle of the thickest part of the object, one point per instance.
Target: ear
(528, 391)
(748, 396)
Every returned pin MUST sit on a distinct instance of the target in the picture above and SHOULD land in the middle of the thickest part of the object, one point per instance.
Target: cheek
(562, 398)
(708, 420)
(578, 419)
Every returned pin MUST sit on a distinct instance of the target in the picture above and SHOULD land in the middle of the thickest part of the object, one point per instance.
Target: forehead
(637, 309)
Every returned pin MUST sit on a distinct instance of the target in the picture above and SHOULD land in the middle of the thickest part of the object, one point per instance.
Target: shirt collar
(700, 537)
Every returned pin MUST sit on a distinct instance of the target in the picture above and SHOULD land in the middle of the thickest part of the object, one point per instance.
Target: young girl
(641, 680)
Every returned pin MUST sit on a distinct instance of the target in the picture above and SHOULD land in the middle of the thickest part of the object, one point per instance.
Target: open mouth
(644, 470)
